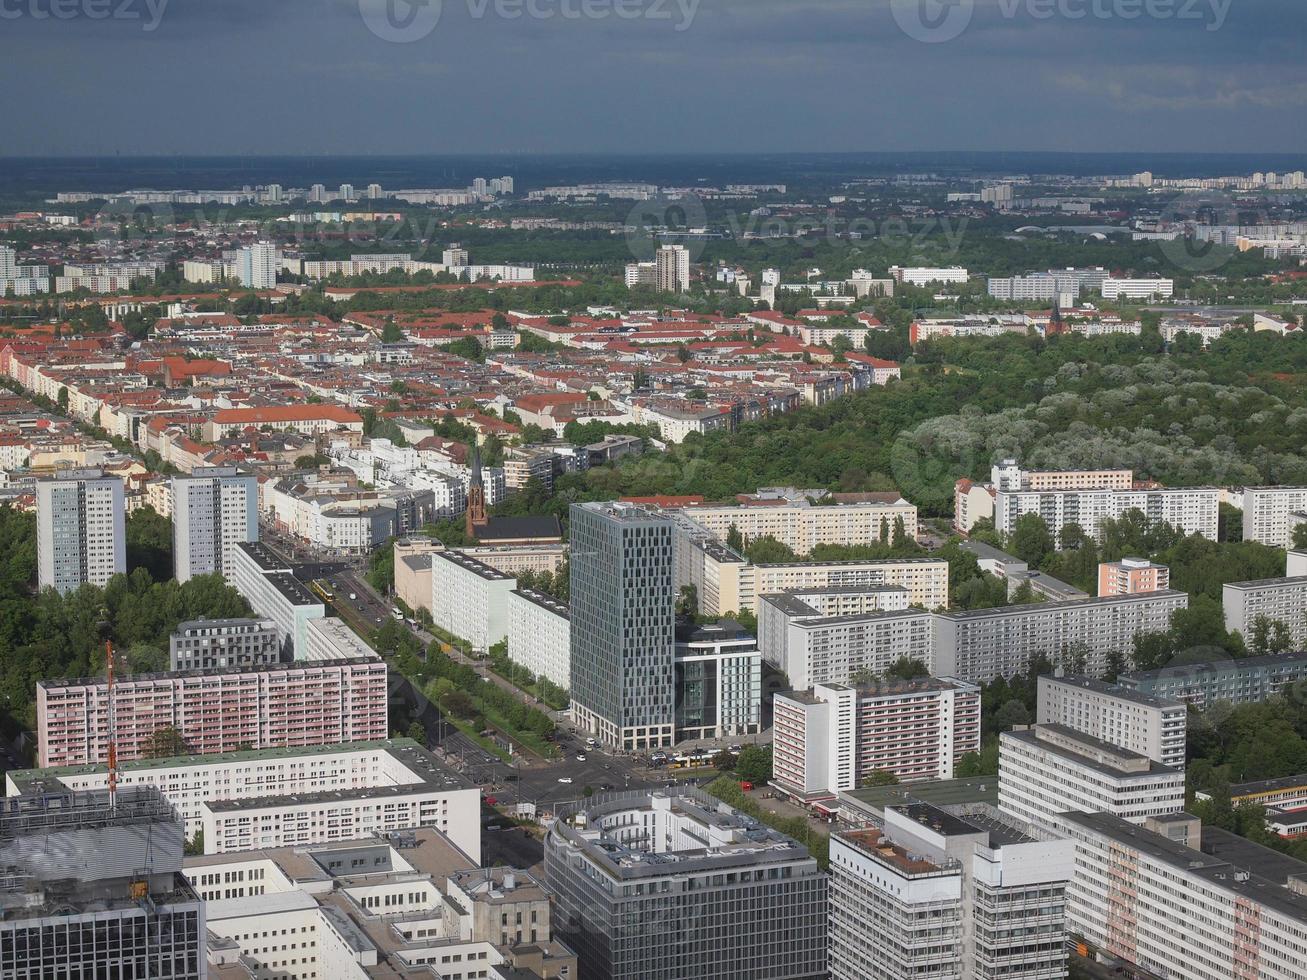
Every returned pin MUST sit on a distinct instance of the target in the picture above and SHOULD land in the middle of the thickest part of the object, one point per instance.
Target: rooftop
(1115, 691)
(35, 780)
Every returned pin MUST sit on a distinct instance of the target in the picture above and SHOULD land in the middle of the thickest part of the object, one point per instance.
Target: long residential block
(1151, 726)
(812, 649)
(261, 798)
(218, 710)
(803, 526)
(1270, 514)
(981, 644)
(1245, 681)
(470, 598)
(540, 635)
(1177, 899)
(1282, 600)
(1192, 509)
(270, 587)
(1048, 769)
(833, 737)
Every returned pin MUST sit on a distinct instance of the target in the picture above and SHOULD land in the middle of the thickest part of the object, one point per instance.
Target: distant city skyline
(247, 77)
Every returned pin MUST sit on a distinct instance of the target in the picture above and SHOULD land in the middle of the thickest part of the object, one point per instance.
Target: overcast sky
(311, 76)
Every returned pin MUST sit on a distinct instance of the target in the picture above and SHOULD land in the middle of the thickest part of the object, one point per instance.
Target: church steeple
(476, 496)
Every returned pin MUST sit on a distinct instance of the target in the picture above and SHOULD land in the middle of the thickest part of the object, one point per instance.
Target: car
(565, 779)
(746, 785)
(490, 801)
(353, 597)
(592, 742)
(737, 749)
(580, 757)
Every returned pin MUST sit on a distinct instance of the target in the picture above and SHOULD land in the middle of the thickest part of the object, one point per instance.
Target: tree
(62, 400)
(391, 333)
(688, 603)
(1012, 714)
(149, 543)
(724, 761)
(1300, 537)
(1030, 540)
(880, 777)
(165, 743)
(734, 539)
(194, 847)
(906, 668)
(754, 764)
(418, 732)
(863, 677)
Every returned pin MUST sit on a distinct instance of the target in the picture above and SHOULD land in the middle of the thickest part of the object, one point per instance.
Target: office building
(1130, 576)
(835, 736)
(94, 889)
(81, 534)
(540, 636)
(217, 710)
(1274, 600)
(813, 650)
(270, 587)
(1048, 769)
(214, 508)
(1245, 681)
(718, 681)
(1176, 899)
(930, 894)
(1270, 514)
(623, 625)
(409, 903)
(205, 643)
(672, 269)
(470, 599)
(669, 884)
(1191, 509)
(247, 800)
(1150, 726)
(981, 644)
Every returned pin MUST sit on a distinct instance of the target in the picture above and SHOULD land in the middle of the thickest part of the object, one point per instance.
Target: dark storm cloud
(272, 76)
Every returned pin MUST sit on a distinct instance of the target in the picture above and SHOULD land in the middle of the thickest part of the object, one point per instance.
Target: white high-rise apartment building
(540, 635)
(374, 192)
(470, 599)
(214, 508)
(673, 269)
(1185, 901)
(922, 275)
(346, 192)
(455, 256)
(1152, 726)
(1282, 600)
(1192, 509)
(981, 644)
(1138, 288)
(1271, 513)
(933, 896)
(81, 534)
(1048, 770)
(318, 193)
(256, 266)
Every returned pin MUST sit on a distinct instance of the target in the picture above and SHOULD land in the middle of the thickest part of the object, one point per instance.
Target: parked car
(565, 779)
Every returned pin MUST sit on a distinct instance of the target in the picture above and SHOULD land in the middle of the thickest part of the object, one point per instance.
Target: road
(529, 779)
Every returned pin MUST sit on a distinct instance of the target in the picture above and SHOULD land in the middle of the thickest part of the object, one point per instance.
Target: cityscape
(460, 521)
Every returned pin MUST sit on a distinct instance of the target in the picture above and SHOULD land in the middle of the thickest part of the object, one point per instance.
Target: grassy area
(727, 789)
(477, 737)
(514, 677)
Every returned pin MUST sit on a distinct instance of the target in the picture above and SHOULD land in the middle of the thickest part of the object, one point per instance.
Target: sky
(650, 76)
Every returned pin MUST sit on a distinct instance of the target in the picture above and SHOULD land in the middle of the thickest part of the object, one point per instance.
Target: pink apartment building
(217, 710)
(1130, 576)
(836, 735)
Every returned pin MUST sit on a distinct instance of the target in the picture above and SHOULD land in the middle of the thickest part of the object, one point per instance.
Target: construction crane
(113, 736)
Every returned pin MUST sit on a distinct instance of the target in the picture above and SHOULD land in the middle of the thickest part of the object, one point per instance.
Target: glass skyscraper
(623, 625)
